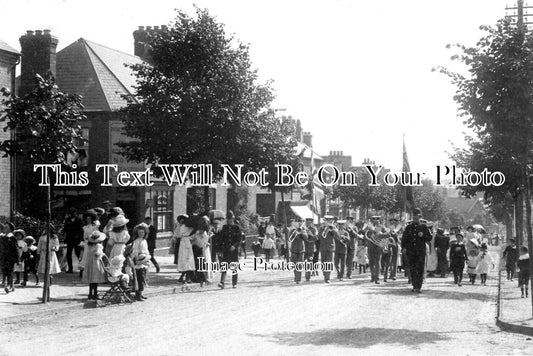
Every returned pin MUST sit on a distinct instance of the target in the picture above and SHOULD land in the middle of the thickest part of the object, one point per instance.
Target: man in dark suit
(414, 240)
(350, 252)
(297, 242)
(341, 244)
(310, 246)
(442, 243)
(327, 244)
(229, 239)
(73, 229)
(151, 241)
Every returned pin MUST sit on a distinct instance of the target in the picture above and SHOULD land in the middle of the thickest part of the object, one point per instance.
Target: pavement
(515, 311)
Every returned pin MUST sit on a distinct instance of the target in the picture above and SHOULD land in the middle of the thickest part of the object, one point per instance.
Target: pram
(118, 293)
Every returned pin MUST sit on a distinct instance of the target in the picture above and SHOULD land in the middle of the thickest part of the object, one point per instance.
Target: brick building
(9, 58)
(98, 73)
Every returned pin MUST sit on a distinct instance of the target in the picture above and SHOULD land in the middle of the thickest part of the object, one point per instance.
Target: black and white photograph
(252, 177)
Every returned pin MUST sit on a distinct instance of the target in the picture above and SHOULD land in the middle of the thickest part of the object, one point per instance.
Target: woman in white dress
(185, 255)
(118, 236)
(53, 265)
(91, 224)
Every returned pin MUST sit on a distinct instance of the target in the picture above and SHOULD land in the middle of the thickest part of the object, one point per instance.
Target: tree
(45, 123)
(496, 100)
(198, 101)
(429, 200)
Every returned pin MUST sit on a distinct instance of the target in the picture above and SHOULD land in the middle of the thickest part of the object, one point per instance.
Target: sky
(357, 74)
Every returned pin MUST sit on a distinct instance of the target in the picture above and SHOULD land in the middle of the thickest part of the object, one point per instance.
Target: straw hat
(142, 258)
(96, 237)
(29, 240)
(20, 231)
(118, 260)
(120, 220)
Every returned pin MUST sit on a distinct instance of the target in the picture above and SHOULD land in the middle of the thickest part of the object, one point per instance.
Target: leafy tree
(496, 100)
(198, 101)
(45, 123)
(429, 200)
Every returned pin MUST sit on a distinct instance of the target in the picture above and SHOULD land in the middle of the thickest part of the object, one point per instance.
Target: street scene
(297, 177)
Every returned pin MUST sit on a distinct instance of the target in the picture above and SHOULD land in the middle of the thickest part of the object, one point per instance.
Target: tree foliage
(199, 101)
(45, 121)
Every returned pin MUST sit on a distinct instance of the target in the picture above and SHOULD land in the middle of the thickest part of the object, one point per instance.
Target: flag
(317, 191)
(409, 200)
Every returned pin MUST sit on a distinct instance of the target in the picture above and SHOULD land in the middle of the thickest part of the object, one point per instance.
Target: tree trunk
(285, 228)
(528, 226)
(46, 286)
(207, 207)
(519, 218)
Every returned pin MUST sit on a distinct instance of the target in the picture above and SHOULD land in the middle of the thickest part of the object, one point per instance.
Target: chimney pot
(38, 32)
(141, 28)
(47, 32)
(164, 27)
(148, 28)
(156, 28)
(29, 33)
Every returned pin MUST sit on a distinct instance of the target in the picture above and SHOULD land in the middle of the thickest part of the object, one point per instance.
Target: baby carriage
(119, 291)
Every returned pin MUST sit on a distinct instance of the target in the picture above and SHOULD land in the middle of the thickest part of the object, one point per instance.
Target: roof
(7, 48)
(97, 73)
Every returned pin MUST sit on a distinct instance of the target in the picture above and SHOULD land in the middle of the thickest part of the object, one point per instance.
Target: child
(523, 275)
(256, 247)
(93, 272)
(141, 266)
(31, 259)
(471, 264)
(511, 256)
(457, 259)
(115, 271)
(53, 267)
(361, 255)
(484, 264)
(268, 245)
(8, 255)
(22, 248)
(118, 236)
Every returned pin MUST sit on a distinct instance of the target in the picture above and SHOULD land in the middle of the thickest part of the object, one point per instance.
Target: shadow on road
(452, 294)
(360, 337)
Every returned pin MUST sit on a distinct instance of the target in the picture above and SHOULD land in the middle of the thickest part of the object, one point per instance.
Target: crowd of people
(102, 243)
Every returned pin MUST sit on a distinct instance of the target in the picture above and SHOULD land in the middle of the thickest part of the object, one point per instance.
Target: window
(163, 213)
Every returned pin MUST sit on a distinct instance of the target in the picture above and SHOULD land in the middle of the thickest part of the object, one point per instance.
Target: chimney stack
(38, 53)
(141, 37)
(308, 139)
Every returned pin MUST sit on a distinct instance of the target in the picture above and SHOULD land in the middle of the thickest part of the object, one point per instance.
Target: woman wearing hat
(94, 270)
(22, 248)
(54, 267)
(118, 236)
(91, 225)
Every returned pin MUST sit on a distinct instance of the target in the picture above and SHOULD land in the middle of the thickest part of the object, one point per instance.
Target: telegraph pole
(518, 13)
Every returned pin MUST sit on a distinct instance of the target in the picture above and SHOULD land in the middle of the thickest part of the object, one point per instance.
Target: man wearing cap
(73, 229)
(151, 241)
(312, 234)
(327, 244)
(341, 241)
(414, 240)
(297, 242)
(229, 239)
(351, 246)
(442, 243)
(395, 229)
(374, 247)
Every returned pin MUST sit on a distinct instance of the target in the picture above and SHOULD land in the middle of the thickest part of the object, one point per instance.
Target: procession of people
(416, 248)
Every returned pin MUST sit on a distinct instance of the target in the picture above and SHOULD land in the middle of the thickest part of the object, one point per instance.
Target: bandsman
(310, 246)
(341, 244)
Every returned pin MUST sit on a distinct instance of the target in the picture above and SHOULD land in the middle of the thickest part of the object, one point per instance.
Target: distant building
(9, 58)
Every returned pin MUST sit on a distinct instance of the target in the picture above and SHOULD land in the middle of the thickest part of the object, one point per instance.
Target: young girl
(115, 270)
(523, 274)
(53, 266)
(22, 248)
(268, 245)
(457, 259)
(118, 236)
(471, 264)
(361, 255)
(141, 266)
(186, 256)
(31, 259)
(93, 269)
(91, 225)
(485, 263)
